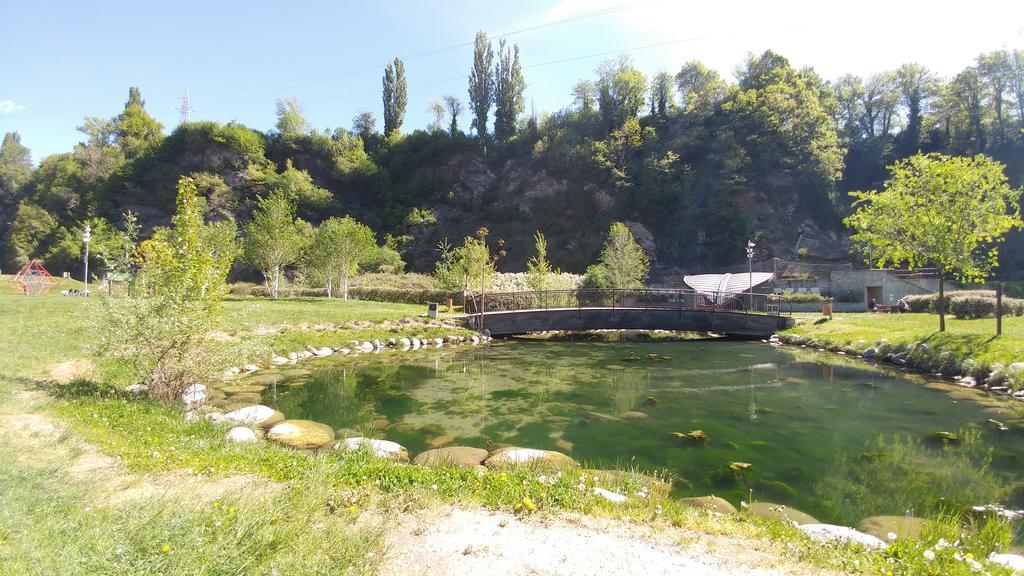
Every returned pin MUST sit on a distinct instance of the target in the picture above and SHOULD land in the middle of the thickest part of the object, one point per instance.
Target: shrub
(801, 297)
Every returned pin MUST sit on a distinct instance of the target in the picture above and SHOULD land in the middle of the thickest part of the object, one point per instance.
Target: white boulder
(194, 394)
(278, 360)
(258, 415)
(382, 448)
(321, 352)
(404, 342)
(613, 497)
(250, 368)
(830, 533)
(416, 343)
(241, 435)
(1011, 561)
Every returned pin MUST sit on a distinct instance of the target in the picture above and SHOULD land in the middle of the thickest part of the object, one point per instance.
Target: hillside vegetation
(694, 164)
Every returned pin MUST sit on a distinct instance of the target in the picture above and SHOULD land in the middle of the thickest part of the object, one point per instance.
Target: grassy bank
(966, 348)
(323, 513)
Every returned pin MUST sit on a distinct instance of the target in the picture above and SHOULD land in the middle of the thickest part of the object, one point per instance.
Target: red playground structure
(33, 279)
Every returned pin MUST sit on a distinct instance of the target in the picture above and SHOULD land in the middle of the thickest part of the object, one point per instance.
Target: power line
(350, 71)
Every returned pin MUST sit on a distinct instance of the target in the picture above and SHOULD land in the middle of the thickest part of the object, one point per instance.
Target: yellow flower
(352, 509)
(216, 504)
(529, 503)
(166, 548)
(969, 555)
(231, 510)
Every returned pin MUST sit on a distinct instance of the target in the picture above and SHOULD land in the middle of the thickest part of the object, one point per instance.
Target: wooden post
(999, 308)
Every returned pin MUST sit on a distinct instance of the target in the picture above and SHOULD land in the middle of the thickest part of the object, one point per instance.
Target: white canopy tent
(720, 287)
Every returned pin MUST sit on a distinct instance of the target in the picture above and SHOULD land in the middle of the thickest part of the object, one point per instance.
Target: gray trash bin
(432, 309)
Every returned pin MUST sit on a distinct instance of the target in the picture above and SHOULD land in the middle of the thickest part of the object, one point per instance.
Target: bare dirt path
(457, 541)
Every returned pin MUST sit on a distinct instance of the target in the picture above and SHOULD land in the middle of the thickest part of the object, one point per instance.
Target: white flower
(941, 544)
(542, 479)
(891, 536)
(929, 555)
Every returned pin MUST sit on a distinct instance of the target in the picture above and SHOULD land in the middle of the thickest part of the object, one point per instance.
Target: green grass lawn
(49, 525)
(965, 338)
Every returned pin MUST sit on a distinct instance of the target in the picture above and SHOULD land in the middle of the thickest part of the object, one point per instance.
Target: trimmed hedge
(966, 304)
(802, 297)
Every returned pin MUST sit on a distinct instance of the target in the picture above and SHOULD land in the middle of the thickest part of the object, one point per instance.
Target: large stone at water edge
(712, 503)
(461, 456)
(528, 456)
(614, 478)
(901, 526)
(381, 448)
(259, 415)
(301, 434)
(829, 533)
(772, 511)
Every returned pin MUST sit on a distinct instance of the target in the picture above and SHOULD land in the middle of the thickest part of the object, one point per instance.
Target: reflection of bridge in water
(511, 313)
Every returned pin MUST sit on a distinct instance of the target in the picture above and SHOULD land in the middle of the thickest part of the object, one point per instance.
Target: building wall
(846, 284)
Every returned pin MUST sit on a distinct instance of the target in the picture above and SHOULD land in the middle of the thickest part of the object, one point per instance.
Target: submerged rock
(830, 533)
(301, 434)
(772, 511)
(635, 415)
(512, 456)
(712, 503)
(258, 415)
(692, 436)
(599, 417)
(901, 526)
(616, 477)
(461, 456)
(945, 437)
(381, 448)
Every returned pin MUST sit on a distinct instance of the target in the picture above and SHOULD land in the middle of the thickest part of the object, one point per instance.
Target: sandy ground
(460, 541)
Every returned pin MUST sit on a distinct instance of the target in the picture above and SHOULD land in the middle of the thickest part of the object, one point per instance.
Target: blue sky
(62, 61)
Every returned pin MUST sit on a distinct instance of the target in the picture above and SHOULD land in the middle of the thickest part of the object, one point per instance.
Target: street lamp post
(750, 271)
(85, 261)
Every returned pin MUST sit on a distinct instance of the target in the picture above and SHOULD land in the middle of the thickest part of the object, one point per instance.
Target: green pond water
(836, 438)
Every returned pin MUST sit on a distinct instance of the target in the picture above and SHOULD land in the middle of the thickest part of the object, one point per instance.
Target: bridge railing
(644, 298)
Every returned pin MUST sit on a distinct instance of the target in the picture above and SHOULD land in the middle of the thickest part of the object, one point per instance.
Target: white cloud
(9, 106)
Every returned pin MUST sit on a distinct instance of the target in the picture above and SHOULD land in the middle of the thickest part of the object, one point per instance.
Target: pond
(834, 437)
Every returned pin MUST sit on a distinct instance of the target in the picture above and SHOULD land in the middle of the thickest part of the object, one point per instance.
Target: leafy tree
(298, 187)
(57, 185)
(584, 95)
(98, 155)
(662, 94)
(436, 109)
(623, 263)
(621, 90)
(162, 333)
(918, 87)
(995, 70)
(465, 266)
(273, 238)
(941, 211)
(339, 246)
(364, 124)
(290, 121)
(454, 108)
(878, 104)
(15, 166)
(190, 261)
(1016, 85)
(964, 105)
(508, 92)
(538, 268)
(481, 84)
(701, 88)
(134, 129)
(29, 233)
(220, 198)
(396, 97)
(849, 95)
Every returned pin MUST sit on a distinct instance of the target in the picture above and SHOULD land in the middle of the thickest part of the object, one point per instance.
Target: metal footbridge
(734, 314)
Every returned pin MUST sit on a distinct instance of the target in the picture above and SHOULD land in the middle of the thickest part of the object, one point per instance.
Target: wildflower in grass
(231, 510)
(166, 548)
(929, 555)
(529, 504)
(216, 504)
(352, 509)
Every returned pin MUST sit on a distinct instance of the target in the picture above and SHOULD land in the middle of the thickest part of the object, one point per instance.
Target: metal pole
(85, 261)
(483, 272)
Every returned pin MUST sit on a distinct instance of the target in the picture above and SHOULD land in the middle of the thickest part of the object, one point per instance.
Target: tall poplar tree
(481, 83)
(396, 96)
(508, 92)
